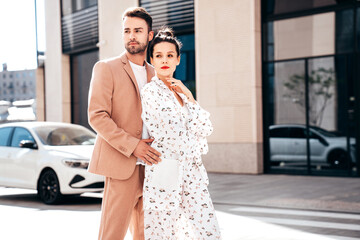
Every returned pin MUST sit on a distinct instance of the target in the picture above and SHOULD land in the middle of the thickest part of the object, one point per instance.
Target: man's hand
(146, 153)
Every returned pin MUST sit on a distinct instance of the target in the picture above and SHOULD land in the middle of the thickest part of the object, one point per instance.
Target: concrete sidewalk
(286, 207)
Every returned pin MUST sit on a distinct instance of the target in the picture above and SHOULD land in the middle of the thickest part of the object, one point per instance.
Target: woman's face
(165, 59)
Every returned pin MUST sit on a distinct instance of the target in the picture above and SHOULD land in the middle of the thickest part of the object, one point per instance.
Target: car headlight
(76, 163)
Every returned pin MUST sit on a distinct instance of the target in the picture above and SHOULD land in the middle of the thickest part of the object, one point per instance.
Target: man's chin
(134, 51)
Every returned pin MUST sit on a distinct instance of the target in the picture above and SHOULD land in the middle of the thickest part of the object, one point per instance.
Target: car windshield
(65, 135)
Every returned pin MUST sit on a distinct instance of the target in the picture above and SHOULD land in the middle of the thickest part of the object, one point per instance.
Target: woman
(177, 203)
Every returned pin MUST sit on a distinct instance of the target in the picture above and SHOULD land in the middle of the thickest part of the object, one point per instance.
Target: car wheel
(49, 188)
(337, 159)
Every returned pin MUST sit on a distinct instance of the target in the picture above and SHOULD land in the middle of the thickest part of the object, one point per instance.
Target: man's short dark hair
(139, 12)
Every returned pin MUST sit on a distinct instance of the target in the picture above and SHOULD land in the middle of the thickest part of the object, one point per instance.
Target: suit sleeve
(99, 111)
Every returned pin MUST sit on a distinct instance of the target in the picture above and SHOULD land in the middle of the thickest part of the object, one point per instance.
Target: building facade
(17, 85)
(259, 67)
(17, 95)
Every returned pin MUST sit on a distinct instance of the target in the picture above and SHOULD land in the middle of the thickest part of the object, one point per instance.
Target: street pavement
(248, 207)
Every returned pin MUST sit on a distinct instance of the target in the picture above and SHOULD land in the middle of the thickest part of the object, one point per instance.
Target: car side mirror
(28, 144)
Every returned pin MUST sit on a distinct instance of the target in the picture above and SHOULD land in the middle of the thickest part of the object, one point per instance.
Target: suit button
(138, 132)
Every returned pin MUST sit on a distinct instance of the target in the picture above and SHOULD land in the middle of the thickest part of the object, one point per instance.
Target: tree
(321, 82)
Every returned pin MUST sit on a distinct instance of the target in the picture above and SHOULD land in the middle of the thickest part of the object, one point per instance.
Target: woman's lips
(164, 67)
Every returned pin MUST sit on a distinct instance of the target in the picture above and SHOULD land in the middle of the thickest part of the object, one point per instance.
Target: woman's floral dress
(182, 209)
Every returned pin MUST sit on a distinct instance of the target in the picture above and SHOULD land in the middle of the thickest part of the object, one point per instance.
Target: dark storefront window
(186, 69)
(289, 6)
(81, 66)
(310, 113)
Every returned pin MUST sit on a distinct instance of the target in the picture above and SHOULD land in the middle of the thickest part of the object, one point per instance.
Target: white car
(49, 157)
(288, 144)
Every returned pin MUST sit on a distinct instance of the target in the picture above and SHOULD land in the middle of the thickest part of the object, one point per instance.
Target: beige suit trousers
(122, 207)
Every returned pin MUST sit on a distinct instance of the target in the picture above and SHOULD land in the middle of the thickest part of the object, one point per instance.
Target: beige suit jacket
(114, 112)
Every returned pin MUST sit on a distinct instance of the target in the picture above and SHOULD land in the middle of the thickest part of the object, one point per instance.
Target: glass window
(4, 136)
(345, 31)
(288, 6)
(288, 92)
(286, 107)
(358, 27)
(71, 6)
(296, 132)
(301, 37)
(279, 132)
(322, 93)
(186, 69)
(19, 135)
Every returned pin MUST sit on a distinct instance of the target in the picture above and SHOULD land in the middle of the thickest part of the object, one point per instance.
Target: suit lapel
(129, 71)
(150, 72)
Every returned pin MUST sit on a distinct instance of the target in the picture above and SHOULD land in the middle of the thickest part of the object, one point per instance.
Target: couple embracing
(151, 134)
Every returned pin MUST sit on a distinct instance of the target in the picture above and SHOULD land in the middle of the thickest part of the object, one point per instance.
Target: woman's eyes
(169, 56)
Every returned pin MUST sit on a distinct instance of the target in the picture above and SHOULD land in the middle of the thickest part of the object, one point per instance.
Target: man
(115, 114)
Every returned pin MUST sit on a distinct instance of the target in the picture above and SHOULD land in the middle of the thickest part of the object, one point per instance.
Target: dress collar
(161, 84)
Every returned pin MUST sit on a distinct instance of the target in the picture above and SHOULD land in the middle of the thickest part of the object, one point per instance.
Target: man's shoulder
(111, 61)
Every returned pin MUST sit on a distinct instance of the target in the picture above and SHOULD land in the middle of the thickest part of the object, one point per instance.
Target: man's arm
(99, 111)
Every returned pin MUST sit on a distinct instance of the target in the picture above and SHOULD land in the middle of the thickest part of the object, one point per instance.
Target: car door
(279, 144)
(297, 141)
(5, 154)
(318, 147)
(22, 167)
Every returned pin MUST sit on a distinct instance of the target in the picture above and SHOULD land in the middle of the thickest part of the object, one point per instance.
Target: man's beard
(141, 47)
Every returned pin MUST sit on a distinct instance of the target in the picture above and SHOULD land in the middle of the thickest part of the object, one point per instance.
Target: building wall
(110, 26)
(228, 82)
(40, 94)
(57, 68)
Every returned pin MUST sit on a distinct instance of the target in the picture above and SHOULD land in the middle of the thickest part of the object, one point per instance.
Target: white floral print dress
(184, 210)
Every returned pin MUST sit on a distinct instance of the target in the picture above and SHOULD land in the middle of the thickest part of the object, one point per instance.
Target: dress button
(138, 132)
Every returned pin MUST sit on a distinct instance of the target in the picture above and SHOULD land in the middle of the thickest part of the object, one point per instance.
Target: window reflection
(288, 117)
(302, 37)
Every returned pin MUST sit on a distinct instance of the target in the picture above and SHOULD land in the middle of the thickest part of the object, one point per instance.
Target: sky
(18, 33)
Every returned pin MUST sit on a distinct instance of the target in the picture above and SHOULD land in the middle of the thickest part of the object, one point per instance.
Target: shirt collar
(134, 65)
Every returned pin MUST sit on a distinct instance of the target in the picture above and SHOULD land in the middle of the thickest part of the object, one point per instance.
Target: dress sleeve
(199, 121)
(164, 124)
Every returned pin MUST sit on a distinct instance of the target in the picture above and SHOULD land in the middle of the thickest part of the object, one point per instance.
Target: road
(23, 216)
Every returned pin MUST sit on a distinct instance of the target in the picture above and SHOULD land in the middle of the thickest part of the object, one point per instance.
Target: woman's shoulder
(149, 87)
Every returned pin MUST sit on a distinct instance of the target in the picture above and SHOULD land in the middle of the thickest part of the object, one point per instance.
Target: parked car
(288, 144)
(49, 157)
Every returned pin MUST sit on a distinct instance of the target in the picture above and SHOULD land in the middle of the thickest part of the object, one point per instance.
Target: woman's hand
(179, 87)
